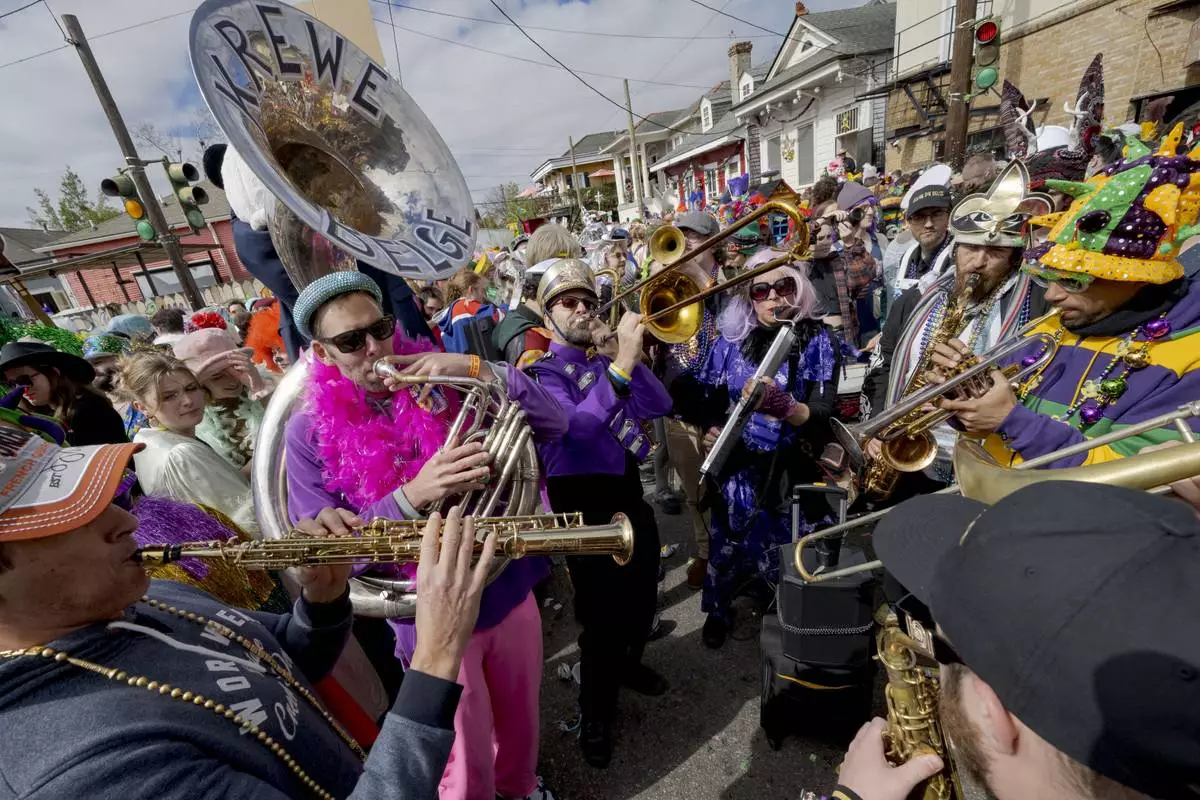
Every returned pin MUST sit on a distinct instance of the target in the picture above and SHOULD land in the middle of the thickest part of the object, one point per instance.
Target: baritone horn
(399, 542)
(672, 301)
(981, 478)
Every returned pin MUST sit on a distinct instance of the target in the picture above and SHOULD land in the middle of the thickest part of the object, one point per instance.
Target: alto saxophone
(911, 692)
(910, 453)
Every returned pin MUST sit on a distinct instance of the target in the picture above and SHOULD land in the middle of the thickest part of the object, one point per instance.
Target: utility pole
(633, 156)
(575, 181)
(961, 61)
(166, 238)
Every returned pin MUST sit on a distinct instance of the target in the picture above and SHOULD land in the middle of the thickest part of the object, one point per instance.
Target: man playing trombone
(1125, 348)
(989, 241)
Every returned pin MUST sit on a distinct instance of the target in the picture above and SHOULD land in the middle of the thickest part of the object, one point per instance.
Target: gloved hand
(775, 402)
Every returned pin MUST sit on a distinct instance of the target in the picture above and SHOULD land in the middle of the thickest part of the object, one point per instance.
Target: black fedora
(39, 355)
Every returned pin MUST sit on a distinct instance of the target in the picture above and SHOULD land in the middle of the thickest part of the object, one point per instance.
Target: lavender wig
(738, 319)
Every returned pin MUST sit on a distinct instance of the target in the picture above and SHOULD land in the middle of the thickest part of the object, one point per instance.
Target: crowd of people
(1058, 614)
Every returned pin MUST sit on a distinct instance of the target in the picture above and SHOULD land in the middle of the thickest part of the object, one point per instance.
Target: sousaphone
(359, 174)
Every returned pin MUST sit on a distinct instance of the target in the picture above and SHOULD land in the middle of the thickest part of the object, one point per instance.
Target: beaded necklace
(981, 319)
(195, 698)
(1096, 394)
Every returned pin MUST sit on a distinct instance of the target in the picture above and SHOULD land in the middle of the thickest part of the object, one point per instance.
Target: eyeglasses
(22, 380)
(1069, 282)
(784, 287)
(355, 340)
(572, 303)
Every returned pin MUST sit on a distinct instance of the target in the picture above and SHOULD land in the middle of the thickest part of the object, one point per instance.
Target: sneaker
(645, 681)
(541, 792)
(697, 568)
(596, 743)
(714, 632)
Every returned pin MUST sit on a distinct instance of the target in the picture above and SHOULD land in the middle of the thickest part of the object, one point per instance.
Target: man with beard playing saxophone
(593, 469)
(1065, 633)
(1125, 345)
(989, 240)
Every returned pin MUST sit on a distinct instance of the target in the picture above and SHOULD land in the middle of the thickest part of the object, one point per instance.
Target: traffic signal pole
(166, 238)
(961, 63)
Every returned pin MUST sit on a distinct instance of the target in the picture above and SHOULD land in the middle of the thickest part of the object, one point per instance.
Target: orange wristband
(473, 368)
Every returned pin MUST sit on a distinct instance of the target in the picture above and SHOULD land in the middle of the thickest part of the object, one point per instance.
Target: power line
(50, 11)
(395, 46)
(573, 72)
(608, 34)
(97, 36)
(19, 10)
(527, 60)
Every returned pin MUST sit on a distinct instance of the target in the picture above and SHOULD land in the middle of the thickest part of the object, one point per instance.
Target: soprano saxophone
(906, 453)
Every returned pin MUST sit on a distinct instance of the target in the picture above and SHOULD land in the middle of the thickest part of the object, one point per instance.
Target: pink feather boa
(367, 454)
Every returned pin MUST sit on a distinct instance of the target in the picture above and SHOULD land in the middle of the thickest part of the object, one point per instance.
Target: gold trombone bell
(667, 243)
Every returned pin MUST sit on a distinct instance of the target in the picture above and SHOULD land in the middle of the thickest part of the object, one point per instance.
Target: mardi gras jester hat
(1128, 221)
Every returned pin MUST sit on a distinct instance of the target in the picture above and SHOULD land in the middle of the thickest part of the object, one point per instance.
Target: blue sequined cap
(326, 288)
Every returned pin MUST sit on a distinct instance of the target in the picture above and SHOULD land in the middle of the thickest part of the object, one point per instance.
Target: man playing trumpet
(989, 240)
(361, 445)
(1125, 345)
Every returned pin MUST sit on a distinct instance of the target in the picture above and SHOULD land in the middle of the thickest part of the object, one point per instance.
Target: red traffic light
(986, 32)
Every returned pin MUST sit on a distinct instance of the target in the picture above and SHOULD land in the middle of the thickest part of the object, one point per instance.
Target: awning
(122, 256)
(602, 173)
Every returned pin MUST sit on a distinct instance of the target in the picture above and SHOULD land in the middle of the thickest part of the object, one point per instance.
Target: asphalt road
(700, 741)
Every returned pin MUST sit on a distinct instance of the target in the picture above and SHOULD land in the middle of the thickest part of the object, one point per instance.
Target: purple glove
(776, 402)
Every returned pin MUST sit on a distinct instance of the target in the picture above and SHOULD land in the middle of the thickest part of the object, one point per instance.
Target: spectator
(468, 321)
(168, 325)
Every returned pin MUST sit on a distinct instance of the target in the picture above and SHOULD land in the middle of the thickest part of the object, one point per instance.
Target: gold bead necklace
(197, 699)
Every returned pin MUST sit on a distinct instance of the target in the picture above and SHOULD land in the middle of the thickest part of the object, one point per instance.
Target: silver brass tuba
(359, 174)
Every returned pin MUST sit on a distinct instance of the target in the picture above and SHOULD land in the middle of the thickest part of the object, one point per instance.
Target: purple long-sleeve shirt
(589, 446)
(307, 494)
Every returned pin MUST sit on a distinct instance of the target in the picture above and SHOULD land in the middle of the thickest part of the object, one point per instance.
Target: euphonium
(901, 450)
(399, 542)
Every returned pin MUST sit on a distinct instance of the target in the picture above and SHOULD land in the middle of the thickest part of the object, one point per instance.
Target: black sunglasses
(572, 303)
(784, 287)
(355, 340)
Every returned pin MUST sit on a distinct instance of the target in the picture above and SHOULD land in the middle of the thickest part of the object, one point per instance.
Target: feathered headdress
(1129, 220)
(1015, 110)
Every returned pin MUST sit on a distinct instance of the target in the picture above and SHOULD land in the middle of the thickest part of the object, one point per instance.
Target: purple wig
(738, 319)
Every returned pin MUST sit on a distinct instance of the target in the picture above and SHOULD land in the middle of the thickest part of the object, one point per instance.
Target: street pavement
(700, 741)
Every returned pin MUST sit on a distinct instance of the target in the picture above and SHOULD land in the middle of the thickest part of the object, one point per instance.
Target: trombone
(981, 478)
(671, 300)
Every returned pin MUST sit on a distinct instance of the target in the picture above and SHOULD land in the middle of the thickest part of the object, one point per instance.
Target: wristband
(473, 367)
(621, 374)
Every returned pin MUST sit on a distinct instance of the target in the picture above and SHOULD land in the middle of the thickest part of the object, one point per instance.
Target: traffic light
(190, 198)
(987, 53)
(122, 186)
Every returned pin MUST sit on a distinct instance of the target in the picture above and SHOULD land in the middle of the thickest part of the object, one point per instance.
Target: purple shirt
(589, 446)
(307, 494)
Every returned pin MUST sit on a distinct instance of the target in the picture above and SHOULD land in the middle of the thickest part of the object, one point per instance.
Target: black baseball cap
(929, 197)
(1077, 604)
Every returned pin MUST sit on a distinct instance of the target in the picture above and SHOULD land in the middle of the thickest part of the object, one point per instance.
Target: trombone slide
(714, 462)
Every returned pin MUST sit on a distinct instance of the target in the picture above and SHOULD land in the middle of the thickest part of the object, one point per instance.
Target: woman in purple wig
(780, 444)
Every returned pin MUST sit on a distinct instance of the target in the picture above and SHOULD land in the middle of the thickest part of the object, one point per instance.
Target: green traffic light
(986, 78)
(195, 218)
(145, 230)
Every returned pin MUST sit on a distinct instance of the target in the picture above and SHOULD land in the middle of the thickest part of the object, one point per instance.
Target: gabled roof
(21, 244)
(696, 143)
(868, 28)
(217, 208)
(592, 143)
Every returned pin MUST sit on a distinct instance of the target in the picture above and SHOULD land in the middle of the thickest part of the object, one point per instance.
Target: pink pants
(496, 726)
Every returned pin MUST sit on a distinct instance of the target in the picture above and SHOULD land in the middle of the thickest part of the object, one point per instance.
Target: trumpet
(671, 300)
(386, 541)
(981, 478)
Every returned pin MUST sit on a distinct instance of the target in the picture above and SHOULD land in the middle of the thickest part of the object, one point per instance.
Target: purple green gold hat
(1128, 221)
(326, 288)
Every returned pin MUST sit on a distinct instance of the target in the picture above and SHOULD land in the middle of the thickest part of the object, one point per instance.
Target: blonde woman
(175, 463)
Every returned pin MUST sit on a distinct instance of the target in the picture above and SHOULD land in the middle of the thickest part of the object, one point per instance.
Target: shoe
(541, 792)
(645, 681)
(697, 568)
(714, 632)
(596, 743)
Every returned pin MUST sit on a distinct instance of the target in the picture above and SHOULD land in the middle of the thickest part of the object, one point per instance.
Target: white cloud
(500, 117)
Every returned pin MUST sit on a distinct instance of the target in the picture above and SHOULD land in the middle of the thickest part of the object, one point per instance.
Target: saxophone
(908, 453)
(911, 692)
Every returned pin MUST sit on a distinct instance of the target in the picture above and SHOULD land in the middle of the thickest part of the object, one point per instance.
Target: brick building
(210, 255)
(1045, 47)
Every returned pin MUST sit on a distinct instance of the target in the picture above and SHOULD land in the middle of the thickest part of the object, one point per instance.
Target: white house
(807, 108)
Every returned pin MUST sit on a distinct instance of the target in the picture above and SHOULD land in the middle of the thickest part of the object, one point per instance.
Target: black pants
(257, 254)
(613, 604)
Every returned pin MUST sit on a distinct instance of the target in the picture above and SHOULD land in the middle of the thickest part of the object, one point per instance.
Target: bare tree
(186, 141)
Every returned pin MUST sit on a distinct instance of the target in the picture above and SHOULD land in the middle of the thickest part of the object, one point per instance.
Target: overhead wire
(19, 10)
(607, 34)
(97, 36)
(573, 73)
(57, 24)
(526, 60)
